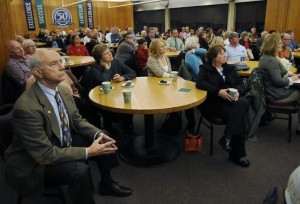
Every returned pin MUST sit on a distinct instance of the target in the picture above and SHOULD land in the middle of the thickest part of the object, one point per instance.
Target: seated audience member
(87, 36)
(244, 41)
(94, 41)
(277, 83)
(108, 69)
(286, 51)
(293, 44)
(29, 47)
(55, 42)
(182, 34)
(41, 34)
(260, 41)
(209, 35)
(150, 36)
(39, 121)
(292, 191)
(194, 55)
(216, 76)
(20, 39)
(226, 37)
(142, 54)
(115, 36)
(168, 34)
(219, 38)
(144, 34)
(108, 35)
(235, 51)
(174, 43)
(193, 61)
(145, 28)
(158, 64)
(202, 39)
(15, 74)
(125, 52)
(253, 37)
(68, 37)
(130, 30)
(76, 48)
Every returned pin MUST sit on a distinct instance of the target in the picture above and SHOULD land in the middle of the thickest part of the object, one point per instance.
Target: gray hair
(35, 60)
(263, 34)
(191, 43)
(27, 42)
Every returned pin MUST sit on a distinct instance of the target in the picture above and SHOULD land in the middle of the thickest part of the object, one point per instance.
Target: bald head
(20, 39)
(14, 49)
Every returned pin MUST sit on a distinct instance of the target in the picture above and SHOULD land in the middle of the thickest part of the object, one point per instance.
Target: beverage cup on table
(174, 75)
(106, 86)
(67, 60)
(127, 96)
(232, 91)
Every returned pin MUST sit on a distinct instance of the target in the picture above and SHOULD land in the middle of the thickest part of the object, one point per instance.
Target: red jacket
(142, 56)
(80, 50)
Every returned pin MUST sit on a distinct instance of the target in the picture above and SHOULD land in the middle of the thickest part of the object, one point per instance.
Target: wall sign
(29, 15)
(62, 17)
(81, 15)
(40, 13)
(89, 9)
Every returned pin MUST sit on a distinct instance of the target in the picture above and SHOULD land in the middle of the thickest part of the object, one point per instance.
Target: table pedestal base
(163, 152)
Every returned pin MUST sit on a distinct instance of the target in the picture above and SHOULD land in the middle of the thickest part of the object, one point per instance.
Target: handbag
(193, 143)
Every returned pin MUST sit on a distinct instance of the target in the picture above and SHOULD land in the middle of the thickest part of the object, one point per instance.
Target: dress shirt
(18, 69)
(235, 53)
(86, 39)
(172, 44)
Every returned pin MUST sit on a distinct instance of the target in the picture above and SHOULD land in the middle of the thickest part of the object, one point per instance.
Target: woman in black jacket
(216, 76)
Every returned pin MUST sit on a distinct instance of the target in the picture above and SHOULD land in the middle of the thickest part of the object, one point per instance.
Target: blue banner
(89, 9)
(29, 15)
(80, 11)
(40, 13)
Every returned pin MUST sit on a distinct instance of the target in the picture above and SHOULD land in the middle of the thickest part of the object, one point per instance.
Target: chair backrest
(5, 127)
(184, 71)
(177, 62)
(11, 90)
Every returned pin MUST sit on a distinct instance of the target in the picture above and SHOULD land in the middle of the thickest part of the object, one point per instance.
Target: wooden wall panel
(104, 17)
(283, 15)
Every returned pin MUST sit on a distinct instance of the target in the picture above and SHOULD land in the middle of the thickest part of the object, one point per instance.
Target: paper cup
(174, 75)
(127, 96)
(67, 60)
(106, 86)
(232, 91)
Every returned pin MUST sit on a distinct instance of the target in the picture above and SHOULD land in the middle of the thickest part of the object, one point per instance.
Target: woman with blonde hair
(158, 64)
(277, 81)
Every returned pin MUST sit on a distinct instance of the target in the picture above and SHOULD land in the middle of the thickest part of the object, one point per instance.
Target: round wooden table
(40, 44)
(79, 61)
(149, 98)
(172, 54)
(56, 49)
(254, 64)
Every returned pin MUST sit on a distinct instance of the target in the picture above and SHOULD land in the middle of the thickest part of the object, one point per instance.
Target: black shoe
(243, 161)
(225, 144)
(114, 189)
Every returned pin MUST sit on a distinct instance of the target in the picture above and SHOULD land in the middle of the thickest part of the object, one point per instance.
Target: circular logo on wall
(62, 17)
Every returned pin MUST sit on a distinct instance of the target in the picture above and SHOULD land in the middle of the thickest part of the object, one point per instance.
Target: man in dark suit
(52, 141)
(55, 42)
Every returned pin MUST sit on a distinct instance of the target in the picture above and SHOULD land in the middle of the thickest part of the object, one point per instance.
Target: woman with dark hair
(107, 68)
(216, 77)
(142, 54)
(76, 48)
(202, 39)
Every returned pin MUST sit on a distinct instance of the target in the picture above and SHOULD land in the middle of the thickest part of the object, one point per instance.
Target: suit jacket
(275, 78)
(36, 140)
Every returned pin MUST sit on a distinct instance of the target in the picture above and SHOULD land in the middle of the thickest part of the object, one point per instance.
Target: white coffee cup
(67, 60)
(106, 86)
(232, 91)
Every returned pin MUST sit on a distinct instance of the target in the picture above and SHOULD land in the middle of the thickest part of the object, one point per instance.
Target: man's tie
(66, 134)
(176, 46)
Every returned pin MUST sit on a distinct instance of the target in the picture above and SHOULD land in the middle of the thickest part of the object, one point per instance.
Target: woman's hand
(295, 77)
(118, 78)
(103, 64)
(223, 93)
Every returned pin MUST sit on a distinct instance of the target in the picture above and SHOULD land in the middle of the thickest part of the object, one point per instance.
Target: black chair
(6, 139)
(284, 108)
(209, 122)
